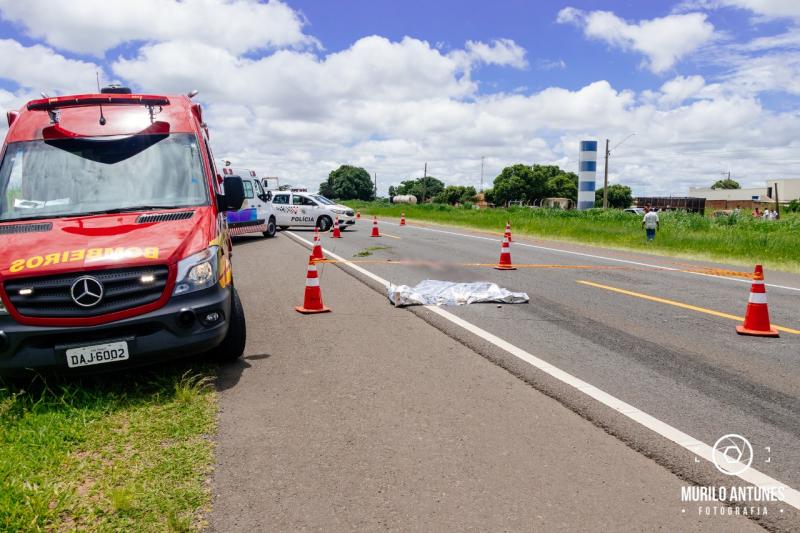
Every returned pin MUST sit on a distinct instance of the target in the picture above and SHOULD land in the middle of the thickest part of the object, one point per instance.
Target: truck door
(247, 215)
(260, 202)
(280, 204)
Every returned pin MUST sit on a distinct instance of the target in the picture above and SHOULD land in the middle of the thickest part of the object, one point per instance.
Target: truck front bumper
(179, 329)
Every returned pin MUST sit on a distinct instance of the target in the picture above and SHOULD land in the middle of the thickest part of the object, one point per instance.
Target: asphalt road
(686, 368)
(372, 417)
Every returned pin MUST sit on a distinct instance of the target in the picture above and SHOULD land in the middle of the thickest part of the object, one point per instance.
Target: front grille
(122, 289)
(25, 228)
(350, 213)
(164, 217)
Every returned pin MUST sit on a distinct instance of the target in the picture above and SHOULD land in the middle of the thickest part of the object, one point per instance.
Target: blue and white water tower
(587, 170)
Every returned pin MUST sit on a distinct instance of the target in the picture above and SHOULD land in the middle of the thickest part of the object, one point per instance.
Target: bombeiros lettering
(86, 255)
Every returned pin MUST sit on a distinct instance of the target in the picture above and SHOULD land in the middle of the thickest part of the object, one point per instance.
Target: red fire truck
(114, 248)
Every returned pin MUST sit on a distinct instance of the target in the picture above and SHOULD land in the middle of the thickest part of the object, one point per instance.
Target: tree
(727, 183)
(564, 185)
(530, 184)
(348, 183)
(456, 194)
(619, 197)
(428, 187)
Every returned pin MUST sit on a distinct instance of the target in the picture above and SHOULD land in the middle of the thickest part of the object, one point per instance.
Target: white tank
(404, 199)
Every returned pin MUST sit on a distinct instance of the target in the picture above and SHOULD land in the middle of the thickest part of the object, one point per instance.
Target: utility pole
(424, 182)
(375, 175)
(777, 205)
(605, 179)
(482, 158)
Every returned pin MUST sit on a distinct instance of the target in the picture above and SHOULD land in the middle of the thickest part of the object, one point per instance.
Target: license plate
(97, 354)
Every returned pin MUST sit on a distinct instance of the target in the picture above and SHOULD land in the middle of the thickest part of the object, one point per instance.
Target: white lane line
(751, 475)
(593, 256)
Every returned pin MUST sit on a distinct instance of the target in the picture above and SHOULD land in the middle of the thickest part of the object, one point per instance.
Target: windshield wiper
(100, 212)
(35, 217)
(136, 208)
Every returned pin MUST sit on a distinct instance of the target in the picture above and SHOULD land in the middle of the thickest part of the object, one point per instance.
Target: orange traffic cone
(337, 233)
(312, 301)
(375, 232)
(508, 231)
(402, 219)
(505, 256)
(358, 214)
(756, 318)
(316, 251)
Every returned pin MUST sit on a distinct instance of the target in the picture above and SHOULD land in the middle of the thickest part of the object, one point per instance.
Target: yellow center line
(679, 304)
(387, 235)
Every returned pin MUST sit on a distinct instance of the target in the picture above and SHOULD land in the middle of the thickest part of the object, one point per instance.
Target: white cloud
(390, 106)
(41, 69)
(504, 52)
(681, 88)
(301, 84)
(767, 8)
(664, 41)
(95, 26)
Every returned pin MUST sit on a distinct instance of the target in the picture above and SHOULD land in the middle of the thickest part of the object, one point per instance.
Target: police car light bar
(49, 104)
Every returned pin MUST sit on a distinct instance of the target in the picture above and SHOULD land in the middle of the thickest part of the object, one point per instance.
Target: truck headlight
(198, 271)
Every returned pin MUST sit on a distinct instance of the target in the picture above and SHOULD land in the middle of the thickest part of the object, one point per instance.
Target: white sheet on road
(434, 292)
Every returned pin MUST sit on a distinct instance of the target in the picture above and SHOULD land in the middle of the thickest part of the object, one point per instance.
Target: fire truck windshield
(93, 175)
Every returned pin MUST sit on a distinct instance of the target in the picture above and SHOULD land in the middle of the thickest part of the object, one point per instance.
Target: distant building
(672, 203)
(480, 201)
(558, 203)
(788, 189)
(751, 197)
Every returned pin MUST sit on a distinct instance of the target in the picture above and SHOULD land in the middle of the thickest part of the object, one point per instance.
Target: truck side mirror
(234, 194)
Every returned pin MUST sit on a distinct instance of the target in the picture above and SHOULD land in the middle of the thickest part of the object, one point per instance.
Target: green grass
(366, 252)
(739, 240)
(127, 452)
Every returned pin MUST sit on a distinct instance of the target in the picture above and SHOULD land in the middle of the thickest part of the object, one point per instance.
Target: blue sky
(296, 88)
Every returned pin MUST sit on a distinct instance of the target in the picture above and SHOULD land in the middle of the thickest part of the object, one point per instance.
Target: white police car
(301, 208)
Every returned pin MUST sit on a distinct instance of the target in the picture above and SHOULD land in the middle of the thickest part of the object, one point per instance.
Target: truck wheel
(271, 228)
(283, 228)
(232, 346)
(324, 223)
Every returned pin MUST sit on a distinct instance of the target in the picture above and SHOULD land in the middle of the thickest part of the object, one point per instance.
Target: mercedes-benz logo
(86, 291)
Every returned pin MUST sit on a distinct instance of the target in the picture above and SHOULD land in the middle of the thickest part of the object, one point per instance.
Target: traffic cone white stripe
(758, 297)
(312, 282)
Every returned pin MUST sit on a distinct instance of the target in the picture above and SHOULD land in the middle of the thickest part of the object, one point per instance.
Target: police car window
(248, 188)
(323, 200)
(281, 199)
(302, 200)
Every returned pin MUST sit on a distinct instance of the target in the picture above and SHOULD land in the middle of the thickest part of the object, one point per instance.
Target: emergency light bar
(50, 104)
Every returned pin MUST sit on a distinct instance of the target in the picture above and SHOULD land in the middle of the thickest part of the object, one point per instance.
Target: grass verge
(366, 252)
(735, 239)
(117, 453)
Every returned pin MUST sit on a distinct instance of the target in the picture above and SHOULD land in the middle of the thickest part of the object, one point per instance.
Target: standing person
(756, 214)
(650, 223)
(766, 214)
